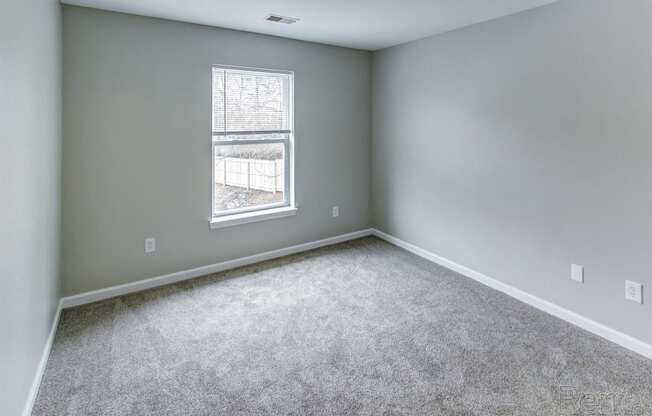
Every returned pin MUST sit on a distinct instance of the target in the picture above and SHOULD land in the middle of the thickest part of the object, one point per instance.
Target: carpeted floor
(360, 328)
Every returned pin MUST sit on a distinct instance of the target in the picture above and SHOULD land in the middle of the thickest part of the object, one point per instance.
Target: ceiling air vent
(281, 19)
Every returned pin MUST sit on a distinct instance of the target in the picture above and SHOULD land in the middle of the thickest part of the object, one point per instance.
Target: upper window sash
(251, 102)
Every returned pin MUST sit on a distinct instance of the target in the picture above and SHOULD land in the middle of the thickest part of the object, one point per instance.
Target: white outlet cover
(150, 245)
(577, 273)
(633, 291)
(336, 211)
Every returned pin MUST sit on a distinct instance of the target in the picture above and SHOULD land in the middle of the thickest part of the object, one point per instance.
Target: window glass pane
(248, 175)
(250, 101)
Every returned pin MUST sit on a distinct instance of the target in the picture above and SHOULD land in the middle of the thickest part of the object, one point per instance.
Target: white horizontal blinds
(250, 102)
(218, 100)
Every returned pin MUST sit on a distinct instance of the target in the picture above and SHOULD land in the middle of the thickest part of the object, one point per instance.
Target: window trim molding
(252, 216)
(262, 212)
(242, 68)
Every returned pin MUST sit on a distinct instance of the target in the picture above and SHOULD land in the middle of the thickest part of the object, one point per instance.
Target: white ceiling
(363, 24)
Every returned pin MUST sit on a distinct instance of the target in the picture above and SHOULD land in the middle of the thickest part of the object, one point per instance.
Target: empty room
(301, 207)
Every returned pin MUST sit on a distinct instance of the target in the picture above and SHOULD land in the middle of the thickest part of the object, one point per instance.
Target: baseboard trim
(587, 324)
(113, 291)
(40, 370)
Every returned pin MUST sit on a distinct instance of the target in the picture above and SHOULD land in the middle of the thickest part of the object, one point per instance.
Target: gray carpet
(360, 328)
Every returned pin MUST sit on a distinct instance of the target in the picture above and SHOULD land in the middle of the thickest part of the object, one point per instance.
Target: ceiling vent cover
(281, 19)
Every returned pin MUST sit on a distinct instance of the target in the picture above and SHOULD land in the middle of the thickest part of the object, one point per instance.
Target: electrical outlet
(577, 273)
(633, 291)
(336, 211)
(150, 245)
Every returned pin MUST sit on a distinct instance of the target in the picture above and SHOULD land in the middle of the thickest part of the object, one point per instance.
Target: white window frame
(285, 208)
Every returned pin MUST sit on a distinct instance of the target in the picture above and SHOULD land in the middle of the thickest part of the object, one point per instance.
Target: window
(252, 144)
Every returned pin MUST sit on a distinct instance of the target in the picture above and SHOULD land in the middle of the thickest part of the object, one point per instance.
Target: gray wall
(137, 155)
(30, 144)
(519, 146)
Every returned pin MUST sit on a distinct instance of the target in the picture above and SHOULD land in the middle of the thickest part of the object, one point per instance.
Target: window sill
(255, 216)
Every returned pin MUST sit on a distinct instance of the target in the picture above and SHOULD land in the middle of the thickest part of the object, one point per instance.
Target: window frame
(266, 211)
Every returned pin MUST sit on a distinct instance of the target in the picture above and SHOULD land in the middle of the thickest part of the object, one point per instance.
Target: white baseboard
(40, 370)
(113, 291)
(599, 329)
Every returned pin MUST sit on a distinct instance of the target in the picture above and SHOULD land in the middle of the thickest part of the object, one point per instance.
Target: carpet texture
(360, 328)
